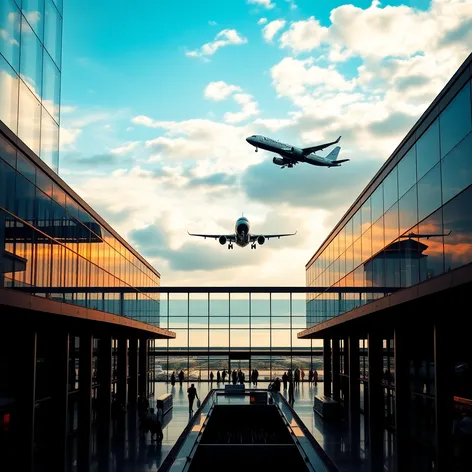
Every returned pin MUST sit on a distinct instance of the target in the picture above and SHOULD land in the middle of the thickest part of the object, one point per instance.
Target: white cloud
(212, 23)
(304, 35)
(292, 3)
(68, 137)
(272, 28)
(249, 108)
(263, 3)
(125, 148)
(219, 90)
(33, 17)
(262, 21)
(224, 38)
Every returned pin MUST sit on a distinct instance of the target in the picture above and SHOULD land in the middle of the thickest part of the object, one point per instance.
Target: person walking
(218, 377)
(235, 377)
(181, 377)
(223, 375)
(310, 376)
(212, 376)
(302, 375)
(285, 380)
(256, 376)
(172, 379)
(315, 377)
(291, 398)
(192, 393)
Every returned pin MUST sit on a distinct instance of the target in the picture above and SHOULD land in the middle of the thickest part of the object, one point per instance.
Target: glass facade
(49, 240)
(30, 73)
(415, 225)
(217, 331)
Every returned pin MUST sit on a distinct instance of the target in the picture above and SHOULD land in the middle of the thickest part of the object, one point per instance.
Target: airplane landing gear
(255, 150)
(230, 246)
(253, 246)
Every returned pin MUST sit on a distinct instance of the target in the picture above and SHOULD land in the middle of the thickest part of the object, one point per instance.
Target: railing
(181, 455)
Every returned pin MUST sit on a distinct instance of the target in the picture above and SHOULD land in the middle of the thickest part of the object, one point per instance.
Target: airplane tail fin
(333, 155)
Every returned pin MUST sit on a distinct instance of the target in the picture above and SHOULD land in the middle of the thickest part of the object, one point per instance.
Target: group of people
(149, 420)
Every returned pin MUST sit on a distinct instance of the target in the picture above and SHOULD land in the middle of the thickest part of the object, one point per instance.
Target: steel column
(327, 367)
(85, 402)
(375, 407)
(354, 397)
(143, 366)
(104, 400)
(336, 369)
(133, 371)
(122, 386)
(443, 374)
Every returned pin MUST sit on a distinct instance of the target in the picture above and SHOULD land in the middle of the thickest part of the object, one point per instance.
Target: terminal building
(62, 355)
(400, 363)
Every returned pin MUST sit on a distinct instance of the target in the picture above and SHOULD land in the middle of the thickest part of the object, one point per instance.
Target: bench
(326, 407)
(234, 389)
(164, 403)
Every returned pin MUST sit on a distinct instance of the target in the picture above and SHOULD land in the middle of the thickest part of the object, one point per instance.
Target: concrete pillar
(402, 398)
(443, 375)
(122, 386)
(354, 397)
(327, 367)
(133, 371)
(375, 406)
(143, 366)
(85, 402)
(336, 369)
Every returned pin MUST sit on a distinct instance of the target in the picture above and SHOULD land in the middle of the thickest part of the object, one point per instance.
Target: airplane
(242, 237)
(292, 155)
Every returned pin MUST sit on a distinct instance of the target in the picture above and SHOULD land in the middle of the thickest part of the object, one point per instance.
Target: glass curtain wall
(48, 240)
(414, 226)
(30, 73)
(246, 331)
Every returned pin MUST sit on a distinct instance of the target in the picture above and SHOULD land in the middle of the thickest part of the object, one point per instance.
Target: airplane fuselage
(241, 230)
(291, 154)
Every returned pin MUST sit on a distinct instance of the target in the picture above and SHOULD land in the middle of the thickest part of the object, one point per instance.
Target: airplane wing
(229, 237)
(270, 236)
(320, 147)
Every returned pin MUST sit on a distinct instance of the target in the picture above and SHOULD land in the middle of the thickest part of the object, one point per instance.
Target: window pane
(366, 215)
(31, 67)
(429, 192)
(376, 200)
(51, 87)
(427, 149)
(458, 220)
(348, 229)
(33, 10)
(53, 32)
(29, 118)
(408, 210)
(8, 96)
(432, 261)
(455, 120)
(391, 224)
(378, 235)
(390, 189)
(49, 141)
(457, 169)
(59, 5)
(10, 33)
(407, 172)
(356, 225)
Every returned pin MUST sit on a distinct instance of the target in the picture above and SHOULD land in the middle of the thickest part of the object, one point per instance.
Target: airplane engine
(278, 161)
(222, 240)
(297, 151)
(260, 240)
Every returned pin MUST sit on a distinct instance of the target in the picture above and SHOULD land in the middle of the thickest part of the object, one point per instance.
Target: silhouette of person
(192, 393)
(181, 377)
(285, 380)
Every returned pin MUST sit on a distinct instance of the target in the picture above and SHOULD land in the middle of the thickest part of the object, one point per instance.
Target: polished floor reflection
(130, 453)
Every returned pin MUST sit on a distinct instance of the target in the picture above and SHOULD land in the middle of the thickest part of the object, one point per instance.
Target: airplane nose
(248, 140)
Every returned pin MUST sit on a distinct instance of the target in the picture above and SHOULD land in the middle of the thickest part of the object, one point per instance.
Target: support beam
(336, 369)
(143, 366)
(443, 375)
(354, 397)
(133, 371)
(402, 398)
(85, 402)
(327, 367)
(375, 407)
(122, 386)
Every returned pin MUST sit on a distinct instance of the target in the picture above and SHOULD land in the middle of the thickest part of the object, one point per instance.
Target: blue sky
(153, 129)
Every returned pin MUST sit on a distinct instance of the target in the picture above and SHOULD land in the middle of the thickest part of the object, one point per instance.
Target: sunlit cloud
(226, 37)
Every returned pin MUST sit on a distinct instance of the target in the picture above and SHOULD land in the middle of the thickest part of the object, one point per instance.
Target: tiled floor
(142, 454)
